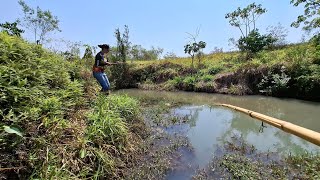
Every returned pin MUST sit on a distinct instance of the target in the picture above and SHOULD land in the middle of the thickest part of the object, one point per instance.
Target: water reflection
(213, 125)
(302, 113)
(208, 125)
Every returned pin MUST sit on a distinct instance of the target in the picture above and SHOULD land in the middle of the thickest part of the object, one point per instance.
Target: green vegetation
(310, 18)
(194, 48)
(264, 64)
(50, 129)
(291, 71)
(242, 161)
(54, 126)
(12, 28)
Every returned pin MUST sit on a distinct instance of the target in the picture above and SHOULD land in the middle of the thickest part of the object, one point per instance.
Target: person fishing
(98, 68)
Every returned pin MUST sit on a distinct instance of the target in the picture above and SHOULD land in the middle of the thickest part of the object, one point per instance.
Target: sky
(163, 24)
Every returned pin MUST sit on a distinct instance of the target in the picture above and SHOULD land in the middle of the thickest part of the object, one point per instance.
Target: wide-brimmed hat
(102, 46)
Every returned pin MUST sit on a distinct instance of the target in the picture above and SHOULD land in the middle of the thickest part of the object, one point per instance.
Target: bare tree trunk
(35, 35)
(241, 31)
(192, 57)
(254, 22)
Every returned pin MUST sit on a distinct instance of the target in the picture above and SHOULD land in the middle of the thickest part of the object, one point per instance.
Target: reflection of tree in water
(282, 109)
(286, 139)
(193, 116)
(241, 124)
(247, 125)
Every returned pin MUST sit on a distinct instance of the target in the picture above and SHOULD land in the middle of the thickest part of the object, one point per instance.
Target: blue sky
(154, 23)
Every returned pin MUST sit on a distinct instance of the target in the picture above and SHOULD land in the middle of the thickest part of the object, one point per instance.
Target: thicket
(49, 127)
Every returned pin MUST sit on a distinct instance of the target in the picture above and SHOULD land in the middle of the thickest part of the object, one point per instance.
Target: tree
(216, 50)
(88, 53)
(255, 42)
(137, 52)
(279, 33)
(154, 53)
(250, 41)
(245, 19)
(123, 44)
(39, 21)
(11, 28)
(120, 72)
(170, 55)
(310, 19)
(193, 47)
(72, 51)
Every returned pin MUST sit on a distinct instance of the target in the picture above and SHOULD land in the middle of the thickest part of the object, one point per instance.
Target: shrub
(255, 42)
(36, 96)
(207, 78)
(189, 83)
(273, 84)
(212, 70)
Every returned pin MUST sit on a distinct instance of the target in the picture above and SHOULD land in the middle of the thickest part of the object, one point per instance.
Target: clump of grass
(126, 106)
(240, 160)
(107, 127)
(108, 121)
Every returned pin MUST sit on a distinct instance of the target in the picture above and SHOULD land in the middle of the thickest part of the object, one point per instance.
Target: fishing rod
(304, 133)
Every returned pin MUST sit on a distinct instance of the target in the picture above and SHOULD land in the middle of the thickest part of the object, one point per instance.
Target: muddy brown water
(209, 125)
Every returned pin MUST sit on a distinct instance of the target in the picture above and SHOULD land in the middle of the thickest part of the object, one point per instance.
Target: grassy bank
(291, 71)
(52, 126)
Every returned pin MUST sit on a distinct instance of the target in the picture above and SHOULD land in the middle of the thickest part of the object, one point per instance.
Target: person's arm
(108, 63)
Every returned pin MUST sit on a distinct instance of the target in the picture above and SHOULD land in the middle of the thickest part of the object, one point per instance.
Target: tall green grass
(45, 131)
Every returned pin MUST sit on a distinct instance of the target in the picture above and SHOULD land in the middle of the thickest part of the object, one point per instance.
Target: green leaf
(13, 130)
(82, 153)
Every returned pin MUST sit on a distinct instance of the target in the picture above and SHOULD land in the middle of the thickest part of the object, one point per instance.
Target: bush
(212, 70)
(36, 96)
(255, 42)
(207, 78)
(275, 84)
(189, 83)
(30, 76)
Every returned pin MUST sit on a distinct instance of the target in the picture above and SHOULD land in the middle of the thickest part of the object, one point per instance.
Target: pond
(209, 125)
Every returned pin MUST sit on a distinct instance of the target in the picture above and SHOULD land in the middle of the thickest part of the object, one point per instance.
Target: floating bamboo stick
(304, 133)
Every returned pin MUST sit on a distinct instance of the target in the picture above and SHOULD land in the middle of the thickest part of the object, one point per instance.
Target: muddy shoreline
(171, 155)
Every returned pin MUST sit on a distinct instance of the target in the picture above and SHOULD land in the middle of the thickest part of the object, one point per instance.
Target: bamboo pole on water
(304, 133)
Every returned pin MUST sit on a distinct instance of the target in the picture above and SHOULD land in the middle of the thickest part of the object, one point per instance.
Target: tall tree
(39, 21)
(123, 43)
(245, 19)
(311, 17)
(279, 33)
